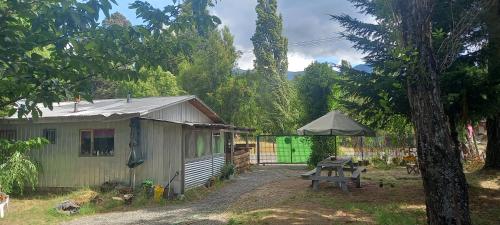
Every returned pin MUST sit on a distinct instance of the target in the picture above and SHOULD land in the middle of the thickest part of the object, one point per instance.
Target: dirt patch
(270, 195)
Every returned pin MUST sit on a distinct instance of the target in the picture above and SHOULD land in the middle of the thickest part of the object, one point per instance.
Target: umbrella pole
(362, 151)
(335, 145)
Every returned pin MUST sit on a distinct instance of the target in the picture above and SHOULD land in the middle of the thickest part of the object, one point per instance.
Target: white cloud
(303, 21)
(298, 61)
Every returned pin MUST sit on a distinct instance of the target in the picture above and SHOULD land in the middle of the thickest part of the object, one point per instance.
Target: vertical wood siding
(184, 112)
(161, 144)
(61, 165)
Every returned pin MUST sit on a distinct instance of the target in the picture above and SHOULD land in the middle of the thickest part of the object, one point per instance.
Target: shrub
(227, 170)
(17, 169)
(147, 183)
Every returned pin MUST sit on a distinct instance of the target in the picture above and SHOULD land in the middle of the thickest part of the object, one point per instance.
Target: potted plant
(147, 186)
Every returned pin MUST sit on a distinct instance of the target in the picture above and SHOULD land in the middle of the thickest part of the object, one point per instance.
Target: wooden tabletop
(329, 162)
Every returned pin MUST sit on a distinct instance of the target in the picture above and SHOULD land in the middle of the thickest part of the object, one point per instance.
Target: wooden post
(232, 147)
(315, 183)
(258, 150)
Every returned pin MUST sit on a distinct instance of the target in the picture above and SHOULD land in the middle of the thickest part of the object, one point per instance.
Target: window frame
(45, 135)
(92, 146)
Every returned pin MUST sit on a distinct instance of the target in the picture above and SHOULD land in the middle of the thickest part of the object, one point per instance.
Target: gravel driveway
(210, 210)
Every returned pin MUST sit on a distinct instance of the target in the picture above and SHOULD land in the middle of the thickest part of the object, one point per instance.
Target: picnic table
(339, 166)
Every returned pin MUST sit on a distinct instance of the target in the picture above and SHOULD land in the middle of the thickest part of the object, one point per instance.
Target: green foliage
(116, 19)
(17, 170)
(147, 183)
(271, 63)
(380, 98)
(156, 83)
(317, 88)
(236, 101)
(227, 170)
(211, 66)
(322, 147)
(49, 49)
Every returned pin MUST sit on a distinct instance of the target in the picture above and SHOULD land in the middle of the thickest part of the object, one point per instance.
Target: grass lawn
(386, 197)
(38, 208)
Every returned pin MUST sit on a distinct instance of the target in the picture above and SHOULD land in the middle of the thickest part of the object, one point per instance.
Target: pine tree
(414, 45)
(271, 63)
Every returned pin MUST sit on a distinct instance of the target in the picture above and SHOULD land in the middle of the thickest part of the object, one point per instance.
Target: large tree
(412, 45)
(211, 66)
(493, 121)
(47, 51)
(439, 157)
(270, 49)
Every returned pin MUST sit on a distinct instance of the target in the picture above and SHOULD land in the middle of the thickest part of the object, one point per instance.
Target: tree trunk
(446, 194)
(493, 147)
(493, 123)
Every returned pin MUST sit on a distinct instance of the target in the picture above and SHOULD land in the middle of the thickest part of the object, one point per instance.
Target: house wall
(61, 165)
(161, 144)
(183, 112)
(199, 169)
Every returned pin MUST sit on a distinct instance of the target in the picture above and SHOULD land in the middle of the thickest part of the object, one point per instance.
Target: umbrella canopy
(335, 123)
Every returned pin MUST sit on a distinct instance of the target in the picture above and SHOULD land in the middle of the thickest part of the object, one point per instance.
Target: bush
(227, 170)
(322, 147)
(17, 169)
(147, 183)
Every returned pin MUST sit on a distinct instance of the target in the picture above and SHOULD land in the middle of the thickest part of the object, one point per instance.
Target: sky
(312, 36)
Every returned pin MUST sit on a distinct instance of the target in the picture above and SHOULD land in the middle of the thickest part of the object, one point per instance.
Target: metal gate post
(291, 149)
(258, 150)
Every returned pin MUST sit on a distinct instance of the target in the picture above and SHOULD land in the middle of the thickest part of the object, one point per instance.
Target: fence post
(291, 149)
(258, 150)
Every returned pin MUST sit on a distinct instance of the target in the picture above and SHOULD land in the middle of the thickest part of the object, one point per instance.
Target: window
(218, 143)
(50, 135)
(8, 134)
(197, 143)
(97, 142)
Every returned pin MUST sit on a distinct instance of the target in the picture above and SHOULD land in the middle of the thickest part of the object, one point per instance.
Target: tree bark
(493, 147)
(446, 192)
(493, 123)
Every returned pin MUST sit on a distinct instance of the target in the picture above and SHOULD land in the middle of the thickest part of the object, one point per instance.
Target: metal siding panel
(182, 112)
(61, 165)
(219, 161)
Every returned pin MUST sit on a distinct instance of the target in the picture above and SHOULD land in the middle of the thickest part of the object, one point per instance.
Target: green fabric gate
(293, 149)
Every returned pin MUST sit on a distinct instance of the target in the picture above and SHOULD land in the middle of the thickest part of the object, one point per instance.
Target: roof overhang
(69, 119)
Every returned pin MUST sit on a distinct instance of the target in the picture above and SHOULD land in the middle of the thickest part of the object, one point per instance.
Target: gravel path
(210, 210)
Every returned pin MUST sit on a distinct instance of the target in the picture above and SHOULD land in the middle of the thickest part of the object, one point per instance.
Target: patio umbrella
(335, 123)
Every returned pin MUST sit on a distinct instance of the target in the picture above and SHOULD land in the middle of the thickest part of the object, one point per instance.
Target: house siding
(61, 165)
(161, 144)
(183, 112)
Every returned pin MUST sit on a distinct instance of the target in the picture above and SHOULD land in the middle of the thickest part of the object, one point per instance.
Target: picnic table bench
(337, 165)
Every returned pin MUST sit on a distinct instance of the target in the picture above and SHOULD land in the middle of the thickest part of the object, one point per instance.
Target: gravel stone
(211, 210)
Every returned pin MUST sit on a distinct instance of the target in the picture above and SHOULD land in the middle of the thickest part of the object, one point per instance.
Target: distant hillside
(364, 67)
(290, 74)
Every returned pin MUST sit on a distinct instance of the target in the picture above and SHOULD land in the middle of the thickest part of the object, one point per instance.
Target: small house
(171, 140)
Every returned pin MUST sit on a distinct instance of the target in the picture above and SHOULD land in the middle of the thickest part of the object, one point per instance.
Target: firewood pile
(241, 157)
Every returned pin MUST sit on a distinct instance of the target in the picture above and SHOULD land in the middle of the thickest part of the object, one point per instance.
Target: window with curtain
(97, 142)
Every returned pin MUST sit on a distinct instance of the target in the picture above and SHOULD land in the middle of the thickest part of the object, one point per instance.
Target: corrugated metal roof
(114, 107)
